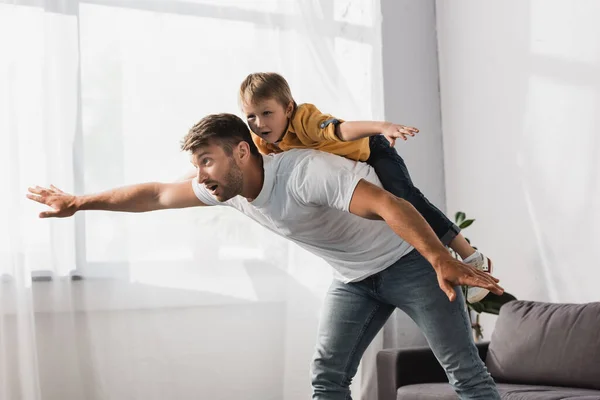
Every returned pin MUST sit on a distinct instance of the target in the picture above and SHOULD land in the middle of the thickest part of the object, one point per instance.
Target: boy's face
(268, 118)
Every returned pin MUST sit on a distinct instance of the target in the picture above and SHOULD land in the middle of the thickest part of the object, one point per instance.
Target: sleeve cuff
(353, 185)
(202, 195)
(328, 128)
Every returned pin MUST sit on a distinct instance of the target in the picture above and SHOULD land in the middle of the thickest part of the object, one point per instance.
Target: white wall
(411, 89)
(520, 94)
(411, 97)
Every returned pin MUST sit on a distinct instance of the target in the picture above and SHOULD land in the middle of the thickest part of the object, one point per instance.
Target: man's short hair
(225, 130)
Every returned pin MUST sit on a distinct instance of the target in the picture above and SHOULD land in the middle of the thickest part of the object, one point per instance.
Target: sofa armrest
(408, 366)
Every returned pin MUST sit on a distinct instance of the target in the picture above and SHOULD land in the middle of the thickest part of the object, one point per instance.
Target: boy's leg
(394, 176)
(412, 285)
(350, 320)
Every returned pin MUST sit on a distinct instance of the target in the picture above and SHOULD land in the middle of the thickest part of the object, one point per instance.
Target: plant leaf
(459, 217)
(466, 224)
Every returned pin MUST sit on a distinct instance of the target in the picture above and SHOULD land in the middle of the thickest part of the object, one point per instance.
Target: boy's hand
(395, 131)
(63, 204)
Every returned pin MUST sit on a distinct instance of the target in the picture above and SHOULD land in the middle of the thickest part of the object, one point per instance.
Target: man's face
(218, 172)
(268, 118)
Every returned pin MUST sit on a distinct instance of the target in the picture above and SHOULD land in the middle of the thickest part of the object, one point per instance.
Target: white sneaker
(476, 294)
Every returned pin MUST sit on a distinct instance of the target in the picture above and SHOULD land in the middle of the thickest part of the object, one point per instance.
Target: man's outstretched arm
(135, 198)
(372, 202)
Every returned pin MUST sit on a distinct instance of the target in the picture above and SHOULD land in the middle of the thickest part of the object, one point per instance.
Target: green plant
(492, 303)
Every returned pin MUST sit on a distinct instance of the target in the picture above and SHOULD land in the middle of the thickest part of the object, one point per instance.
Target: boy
(279, 124)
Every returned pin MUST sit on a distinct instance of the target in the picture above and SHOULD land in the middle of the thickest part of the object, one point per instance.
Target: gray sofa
(537, 351)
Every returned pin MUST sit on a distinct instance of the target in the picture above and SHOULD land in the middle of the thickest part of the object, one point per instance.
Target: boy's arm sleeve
(318, 126)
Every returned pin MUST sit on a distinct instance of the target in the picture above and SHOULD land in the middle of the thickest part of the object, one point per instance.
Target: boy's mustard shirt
(308, 129)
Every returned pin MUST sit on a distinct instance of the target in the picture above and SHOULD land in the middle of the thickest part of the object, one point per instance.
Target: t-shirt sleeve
(203, 195)
(316, 125)
(326, 180)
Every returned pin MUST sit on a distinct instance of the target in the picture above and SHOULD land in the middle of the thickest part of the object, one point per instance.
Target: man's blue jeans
(354, 313)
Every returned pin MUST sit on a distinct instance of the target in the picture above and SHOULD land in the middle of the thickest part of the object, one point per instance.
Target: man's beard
(232, 183)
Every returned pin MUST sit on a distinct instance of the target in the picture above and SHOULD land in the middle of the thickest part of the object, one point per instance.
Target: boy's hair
(227, 130)
(261, 86)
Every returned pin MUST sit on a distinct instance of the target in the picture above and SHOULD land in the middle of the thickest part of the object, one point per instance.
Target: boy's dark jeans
(394, 177)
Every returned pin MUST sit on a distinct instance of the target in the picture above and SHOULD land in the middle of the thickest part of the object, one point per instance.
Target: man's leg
(351, 318)
(412, 285)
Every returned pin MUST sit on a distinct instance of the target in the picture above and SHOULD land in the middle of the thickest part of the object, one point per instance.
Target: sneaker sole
(479, 294)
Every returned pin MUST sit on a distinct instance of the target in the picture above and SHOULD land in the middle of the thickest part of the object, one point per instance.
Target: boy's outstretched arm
(135, 198)
(319, 127)
(372, 202)
(354, 130)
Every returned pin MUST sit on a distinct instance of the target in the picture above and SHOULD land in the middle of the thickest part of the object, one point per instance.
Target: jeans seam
(465, 318)
(473, 349)
(360, 336)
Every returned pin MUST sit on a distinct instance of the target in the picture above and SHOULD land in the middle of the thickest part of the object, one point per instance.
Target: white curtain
(180, 304)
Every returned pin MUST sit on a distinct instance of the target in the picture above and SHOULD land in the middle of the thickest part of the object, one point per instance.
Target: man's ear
(243, 150)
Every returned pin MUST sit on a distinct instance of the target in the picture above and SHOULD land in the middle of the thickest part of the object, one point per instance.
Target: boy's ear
(290, 109)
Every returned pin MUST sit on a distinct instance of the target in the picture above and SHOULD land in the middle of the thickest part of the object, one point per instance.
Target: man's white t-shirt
(305, 197)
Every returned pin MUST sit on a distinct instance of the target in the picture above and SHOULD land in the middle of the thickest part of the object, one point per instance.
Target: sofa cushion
(443, 391)
(547, 344)
(427, 391)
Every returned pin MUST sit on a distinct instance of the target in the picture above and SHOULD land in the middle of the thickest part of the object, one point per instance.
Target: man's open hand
(451, 272)
(63, 204)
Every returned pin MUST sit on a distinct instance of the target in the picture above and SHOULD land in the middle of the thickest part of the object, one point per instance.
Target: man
(336, 209)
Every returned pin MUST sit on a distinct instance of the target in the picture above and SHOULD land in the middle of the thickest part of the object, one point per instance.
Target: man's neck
(254, 178)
